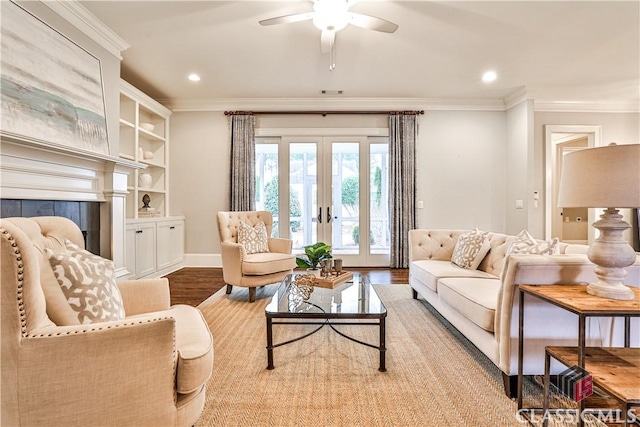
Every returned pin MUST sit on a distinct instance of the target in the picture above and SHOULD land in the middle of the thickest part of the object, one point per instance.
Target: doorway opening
(569, 225)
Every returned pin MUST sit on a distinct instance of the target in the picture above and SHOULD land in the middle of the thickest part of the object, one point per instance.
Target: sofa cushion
(194, 345)
(525, 243)
(429, 271)
(254, 239)
(88, 283)
(470, 249)
(474, 298)
(267, 263)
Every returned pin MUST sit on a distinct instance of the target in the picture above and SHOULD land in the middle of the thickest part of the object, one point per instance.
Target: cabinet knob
(172, 227)
(139, 231)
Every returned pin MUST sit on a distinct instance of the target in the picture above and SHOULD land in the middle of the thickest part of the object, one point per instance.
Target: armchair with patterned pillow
(80, 349)
(250, 257)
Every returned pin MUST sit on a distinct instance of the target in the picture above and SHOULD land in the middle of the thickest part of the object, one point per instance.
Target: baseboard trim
(203, 260)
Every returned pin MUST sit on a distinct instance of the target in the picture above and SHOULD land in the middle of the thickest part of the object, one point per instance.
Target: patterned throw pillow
(88, 283)
(470, 249)
(254, 239)
(525, 243)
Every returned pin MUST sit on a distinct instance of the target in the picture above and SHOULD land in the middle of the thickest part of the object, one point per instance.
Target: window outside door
(337, 191)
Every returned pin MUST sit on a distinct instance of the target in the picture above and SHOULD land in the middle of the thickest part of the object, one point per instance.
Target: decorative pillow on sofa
(254, 239)
(88, 283)
(470, 249)
(525, 243)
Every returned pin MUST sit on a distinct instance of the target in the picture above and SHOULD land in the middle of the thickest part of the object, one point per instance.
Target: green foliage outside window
(271, 203)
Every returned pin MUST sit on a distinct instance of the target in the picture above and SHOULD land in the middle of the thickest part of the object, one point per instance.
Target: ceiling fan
(331, 16)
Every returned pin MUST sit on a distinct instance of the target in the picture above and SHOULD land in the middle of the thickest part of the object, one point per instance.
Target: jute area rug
(434, 376)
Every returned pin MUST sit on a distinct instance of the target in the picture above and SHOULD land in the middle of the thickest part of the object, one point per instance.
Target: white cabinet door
(170, 243)
(130, 248)
(141, 249)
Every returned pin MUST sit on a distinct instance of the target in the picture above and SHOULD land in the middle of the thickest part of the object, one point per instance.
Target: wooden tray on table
(334, 280)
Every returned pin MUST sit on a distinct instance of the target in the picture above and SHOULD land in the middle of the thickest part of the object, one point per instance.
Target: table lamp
(605, 177)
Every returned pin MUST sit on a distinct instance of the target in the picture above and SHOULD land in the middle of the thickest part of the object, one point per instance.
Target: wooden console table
(614, 370)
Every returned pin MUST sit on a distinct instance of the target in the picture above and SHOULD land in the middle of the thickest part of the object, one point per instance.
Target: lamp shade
(602, 177)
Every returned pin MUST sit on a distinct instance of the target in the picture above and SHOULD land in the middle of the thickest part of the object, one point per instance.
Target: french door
(329, 189)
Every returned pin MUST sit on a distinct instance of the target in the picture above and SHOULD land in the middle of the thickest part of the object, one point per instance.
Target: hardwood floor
(192, 285)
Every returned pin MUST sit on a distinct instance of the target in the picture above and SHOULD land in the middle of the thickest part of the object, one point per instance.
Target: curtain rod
(323, 113)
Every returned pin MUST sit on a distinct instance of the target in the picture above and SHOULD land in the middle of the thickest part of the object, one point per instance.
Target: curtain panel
(243, 187)
(403, 134)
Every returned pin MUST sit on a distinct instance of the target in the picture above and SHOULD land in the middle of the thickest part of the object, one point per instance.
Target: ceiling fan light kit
(331, 16)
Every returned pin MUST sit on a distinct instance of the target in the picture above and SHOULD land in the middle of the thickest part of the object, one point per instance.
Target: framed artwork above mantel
(52, 89)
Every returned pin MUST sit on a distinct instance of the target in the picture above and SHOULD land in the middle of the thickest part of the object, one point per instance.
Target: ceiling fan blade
(372, 23)
(327, 39)
(287, 19)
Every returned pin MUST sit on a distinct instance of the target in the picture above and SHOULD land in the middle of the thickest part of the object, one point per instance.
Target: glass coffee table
(342, 305)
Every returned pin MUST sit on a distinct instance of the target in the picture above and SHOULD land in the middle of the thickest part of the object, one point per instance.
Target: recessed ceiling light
(194, 77)
(489, 76)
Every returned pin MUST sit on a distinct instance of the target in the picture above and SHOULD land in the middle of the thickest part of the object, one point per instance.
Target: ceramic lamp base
(611, 253)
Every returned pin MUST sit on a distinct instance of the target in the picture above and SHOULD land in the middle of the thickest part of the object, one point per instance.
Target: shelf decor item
(606, 177)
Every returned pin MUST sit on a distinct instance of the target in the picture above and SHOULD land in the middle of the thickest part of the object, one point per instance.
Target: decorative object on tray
(313, 255)
(334, 280)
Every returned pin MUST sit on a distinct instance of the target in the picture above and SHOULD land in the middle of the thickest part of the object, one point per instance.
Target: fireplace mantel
(32, 169)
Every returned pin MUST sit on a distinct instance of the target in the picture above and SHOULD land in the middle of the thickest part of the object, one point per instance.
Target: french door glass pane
(303, 193)
(267, 181)
(345, 191)
(379, 198)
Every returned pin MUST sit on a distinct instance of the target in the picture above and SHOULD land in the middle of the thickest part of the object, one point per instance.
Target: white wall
(461, 170)
(517, 176)
(199, 170)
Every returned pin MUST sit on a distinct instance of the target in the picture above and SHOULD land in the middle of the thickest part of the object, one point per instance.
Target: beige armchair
(252, 270)
(149, 369)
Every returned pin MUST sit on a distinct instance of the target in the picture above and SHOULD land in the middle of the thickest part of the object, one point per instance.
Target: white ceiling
(573, 51)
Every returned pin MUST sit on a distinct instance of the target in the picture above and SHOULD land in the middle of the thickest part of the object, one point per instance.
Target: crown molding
(587, 106)
(516, 97)
(80, 17)
(427, 104)
(275, 104)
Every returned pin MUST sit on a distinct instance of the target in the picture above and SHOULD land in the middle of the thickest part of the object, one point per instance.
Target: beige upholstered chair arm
(283, 246)
(145, 295)
(127, 374)
(232, 256)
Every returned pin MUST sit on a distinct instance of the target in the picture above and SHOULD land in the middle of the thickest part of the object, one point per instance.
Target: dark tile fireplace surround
(85, 214)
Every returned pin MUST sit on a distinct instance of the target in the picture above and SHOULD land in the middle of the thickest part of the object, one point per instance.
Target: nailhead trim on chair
(20, 295)
(100, 328)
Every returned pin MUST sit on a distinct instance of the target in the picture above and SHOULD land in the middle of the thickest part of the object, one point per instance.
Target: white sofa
(483, 304)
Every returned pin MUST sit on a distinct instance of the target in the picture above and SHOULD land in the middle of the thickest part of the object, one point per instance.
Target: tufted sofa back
(438, 244)
(228, 223)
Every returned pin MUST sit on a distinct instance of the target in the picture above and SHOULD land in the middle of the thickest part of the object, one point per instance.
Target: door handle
(320, 215)
(328, 214)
